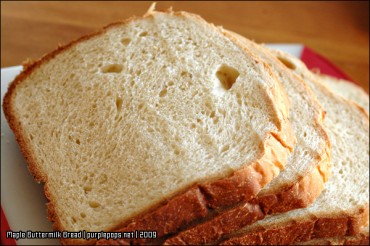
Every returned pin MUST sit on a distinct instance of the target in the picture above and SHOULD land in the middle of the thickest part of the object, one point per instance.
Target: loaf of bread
(170, 124)
(149, 124)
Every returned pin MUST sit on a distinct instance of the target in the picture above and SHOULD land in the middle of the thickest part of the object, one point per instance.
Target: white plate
(22, 199)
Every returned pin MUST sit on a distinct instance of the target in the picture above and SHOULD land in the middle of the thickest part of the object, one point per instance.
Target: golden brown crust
(298, 195)
(179, 211)
(350, 240)
(361, 238)
(337, 225)
(244, 183)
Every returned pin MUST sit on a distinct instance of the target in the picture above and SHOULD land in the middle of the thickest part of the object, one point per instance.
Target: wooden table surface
(337, 30)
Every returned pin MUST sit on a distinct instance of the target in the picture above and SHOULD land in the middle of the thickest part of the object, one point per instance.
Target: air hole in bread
(225, 148)
(94, 204)
(287, 63)
(118, 104)
(112, 68)
(74, 220)
(163, 92)
(87, 188)
(83, 215)
(221, 111)
(170, 83)
(78, 141)
(239, 101)
(143, 34)
(125, 41)
(227, 76)
(103, 179)
(177, 152)
(140, 106)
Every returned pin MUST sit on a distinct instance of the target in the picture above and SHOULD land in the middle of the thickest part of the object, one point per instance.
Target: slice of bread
(302, 180)
(360, 239)
(149, 123)
(343, 207)
(346, 89)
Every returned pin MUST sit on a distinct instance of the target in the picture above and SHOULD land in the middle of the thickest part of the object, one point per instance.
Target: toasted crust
(301, 231)
(181, 211)
(359, 239)
(299, 195)
(244, 183)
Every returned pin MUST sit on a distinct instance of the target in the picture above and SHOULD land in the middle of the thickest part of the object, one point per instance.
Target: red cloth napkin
(315, 61)
(309, 57)
(4, 229)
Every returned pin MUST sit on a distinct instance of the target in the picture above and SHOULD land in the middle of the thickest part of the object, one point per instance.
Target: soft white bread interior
(346, 89)
(122, 120)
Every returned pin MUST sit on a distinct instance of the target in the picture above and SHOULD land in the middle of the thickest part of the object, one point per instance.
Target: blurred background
(337, 30)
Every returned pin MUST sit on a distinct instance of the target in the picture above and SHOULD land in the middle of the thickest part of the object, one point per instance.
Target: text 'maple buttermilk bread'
(342, 209)
(303, 178)
(150, 122)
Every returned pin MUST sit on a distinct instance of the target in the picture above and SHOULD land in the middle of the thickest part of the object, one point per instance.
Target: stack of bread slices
(192, 134)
